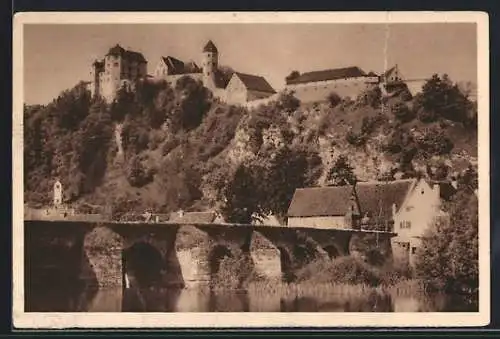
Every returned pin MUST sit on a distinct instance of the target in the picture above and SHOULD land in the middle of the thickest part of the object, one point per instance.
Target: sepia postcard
(250, 170)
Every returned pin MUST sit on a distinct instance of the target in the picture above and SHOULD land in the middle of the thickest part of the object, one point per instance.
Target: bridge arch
(286, 262)
(217, 254)
(333, 251)
(142, 264)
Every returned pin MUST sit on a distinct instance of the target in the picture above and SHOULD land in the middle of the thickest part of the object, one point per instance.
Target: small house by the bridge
(406, 207)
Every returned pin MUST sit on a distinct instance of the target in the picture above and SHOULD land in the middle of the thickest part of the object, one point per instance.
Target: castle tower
(97, 68)
(210, 64)
(112, 66)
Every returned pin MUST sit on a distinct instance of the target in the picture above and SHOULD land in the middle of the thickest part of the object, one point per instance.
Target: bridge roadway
(104, 253)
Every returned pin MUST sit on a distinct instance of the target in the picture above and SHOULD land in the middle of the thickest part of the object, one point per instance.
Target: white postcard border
(22, 319)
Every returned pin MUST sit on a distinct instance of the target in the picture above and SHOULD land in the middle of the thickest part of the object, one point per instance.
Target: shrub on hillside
(434, 142)
(370, 97)
(354, 138)
(288, 102)
(137, 173)
(334, 99)
(135, 136)
(341, 270)
(401, 112)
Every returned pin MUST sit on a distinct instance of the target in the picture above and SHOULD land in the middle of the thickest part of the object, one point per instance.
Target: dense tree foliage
(292, 75)
(266, 185)
(448, 259)
(178, 145)
(334, 99)
(341, 173)
(441, 98)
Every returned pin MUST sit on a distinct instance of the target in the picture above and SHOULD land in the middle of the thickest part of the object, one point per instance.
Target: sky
(57, 57)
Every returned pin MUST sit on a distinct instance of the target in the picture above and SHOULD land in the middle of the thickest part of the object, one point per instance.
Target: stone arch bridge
(165, 254)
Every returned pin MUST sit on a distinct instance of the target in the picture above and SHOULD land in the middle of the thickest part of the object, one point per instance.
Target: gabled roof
(192, 217)
(375, 198)
(328, 74)
(210, 47)
(255, 82)
(390, 71)
(176, 66)
(118, 50)
(321, 201)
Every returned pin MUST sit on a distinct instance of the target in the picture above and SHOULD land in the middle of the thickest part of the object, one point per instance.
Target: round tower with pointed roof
(210, 64)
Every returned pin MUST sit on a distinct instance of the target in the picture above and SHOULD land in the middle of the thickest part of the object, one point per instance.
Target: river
(192, 300)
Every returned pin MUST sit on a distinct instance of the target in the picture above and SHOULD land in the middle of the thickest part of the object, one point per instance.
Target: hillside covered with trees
(163, 149)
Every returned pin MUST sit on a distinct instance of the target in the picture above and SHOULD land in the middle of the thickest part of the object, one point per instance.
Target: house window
(115, 64)
(413, 250)
(405, 224)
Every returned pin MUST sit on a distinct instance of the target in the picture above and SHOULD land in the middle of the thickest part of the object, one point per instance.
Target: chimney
(393, 211)
(181, 213)
(436, 189)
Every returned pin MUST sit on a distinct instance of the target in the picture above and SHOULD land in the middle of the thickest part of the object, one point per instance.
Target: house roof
(176, 66)
(391, 70)
(446, 189)
(255, 82)
(377, 198)
(118, 50)
(192, 217)
(320, 201)
(328, 74)
(210, 47)
(374, 198)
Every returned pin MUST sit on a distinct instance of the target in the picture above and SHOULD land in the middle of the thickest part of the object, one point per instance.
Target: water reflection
(192, 300)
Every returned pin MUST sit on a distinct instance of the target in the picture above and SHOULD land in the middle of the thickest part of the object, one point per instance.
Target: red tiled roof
(329, 74)
(255, 83)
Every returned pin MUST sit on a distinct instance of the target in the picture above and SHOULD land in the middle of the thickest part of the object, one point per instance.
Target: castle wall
(265, 101)
(319, 91)
(172, 79)
(257, 95)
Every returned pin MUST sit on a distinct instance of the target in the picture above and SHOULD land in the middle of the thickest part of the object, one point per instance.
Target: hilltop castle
(121, 67)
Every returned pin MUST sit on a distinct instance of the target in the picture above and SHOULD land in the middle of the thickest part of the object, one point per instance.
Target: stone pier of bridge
(111, 254)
